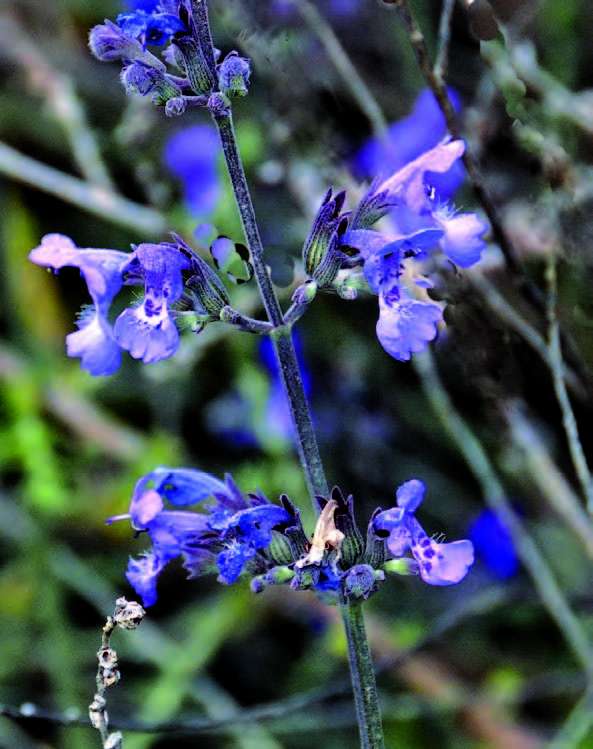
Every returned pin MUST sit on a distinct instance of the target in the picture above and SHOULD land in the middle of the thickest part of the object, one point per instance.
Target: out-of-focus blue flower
(191, 155)
(336, 8)
(438, 563)
(494, 545)
(408, 138)
(238, 419)
(147, 330)
(229, 534)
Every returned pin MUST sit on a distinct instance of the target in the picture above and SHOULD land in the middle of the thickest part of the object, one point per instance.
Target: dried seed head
(128, 614)
(98, 712)
(114, 741)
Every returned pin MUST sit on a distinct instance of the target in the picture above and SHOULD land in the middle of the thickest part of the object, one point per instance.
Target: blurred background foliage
(478, 665)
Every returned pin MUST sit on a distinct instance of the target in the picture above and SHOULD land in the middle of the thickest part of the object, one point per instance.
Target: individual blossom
(103, 271)
(147, 329)
(437, 563)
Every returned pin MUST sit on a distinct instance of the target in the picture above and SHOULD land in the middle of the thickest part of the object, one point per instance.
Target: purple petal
(191, 155)
(407, 139)
(142, 574)
(182, 486)
(102, 269)
(232, 560)
(410, 495)
(409, 182)
(449, 565)
(94, 344)
(405, 328)
(148, 338)
(145, 508)
(462, 242)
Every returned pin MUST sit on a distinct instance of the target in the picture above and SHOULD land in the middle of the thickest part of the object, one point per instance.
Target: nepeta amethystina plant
(401, 221)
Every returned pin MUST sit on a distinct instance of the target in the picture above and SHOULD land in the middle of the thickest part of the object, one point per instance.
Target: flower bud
(321, 254)
(305, 293)
(114, 741)
(108, 42)
(128, 614)
(233, 75)
(361, 581)
(219, 105)
(98, 711)
(276, 576)
(175, 106)
(143, 79)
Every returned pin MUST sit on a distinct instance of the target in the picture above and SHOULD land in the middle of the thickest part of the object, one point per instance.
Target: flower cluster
(414, 200)
(234, 534)
(147, 330)
(419, 224)
(186, 72)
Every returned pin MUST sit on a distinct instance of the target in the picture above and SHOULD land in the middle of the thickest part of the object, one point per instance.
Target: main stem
(281, 336)
(359, 655)
(362, 672)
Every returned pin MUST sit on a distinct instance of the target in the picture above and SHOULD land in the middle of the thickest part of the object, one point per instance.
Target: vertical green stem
(362, 674)
(283, 345)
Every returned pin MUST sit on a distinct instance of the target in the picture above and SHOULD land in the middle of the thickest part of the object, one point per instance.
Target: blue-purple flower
(153, 27)
(234, 73)
(438, 563)
(147, 330)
